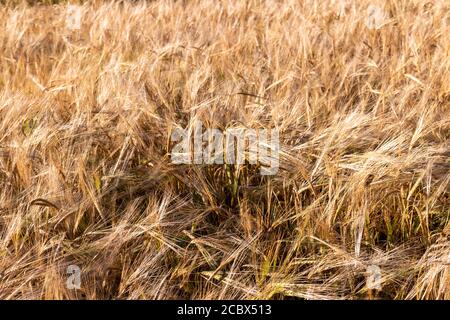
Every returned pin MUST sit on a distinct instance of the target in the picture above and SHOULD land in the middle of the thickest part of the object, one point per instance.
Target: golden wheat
(363, 110)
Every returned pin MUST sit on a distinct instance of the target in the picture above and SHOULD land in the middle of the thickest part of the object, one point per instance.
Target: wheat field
(358, 90)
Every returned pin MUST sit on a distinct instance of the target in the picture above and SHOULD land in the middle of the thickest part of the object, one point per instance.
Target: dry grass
(85, 171)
